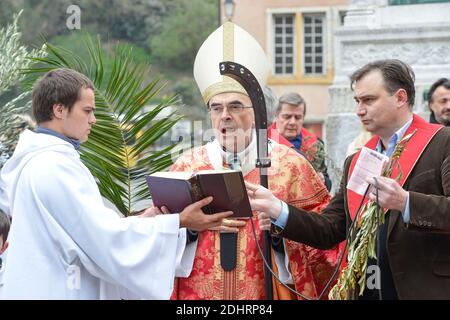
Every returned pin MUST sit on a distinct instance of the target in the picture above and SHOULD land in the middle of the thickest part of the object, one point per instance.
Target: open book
(177, 190)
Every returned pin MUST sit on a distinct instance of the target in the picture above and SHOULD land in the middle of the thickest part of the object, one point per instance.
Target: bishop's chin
(234, 144)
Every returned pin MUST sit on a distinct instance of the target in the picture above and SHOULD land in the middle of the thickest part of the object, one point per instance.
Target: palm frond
(125, 130)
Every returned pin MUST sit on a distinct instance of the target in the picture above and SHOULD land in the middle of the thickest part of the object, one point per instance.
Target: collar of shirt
(297, 141)
(75, 143)
(393, 140)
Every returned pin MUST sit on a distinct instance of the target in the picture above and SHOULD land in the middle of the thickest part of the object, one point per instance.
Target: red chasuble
(292, 179)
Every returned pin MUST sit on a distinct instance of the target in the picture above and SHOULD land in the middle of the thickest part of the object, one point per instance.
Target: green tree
(122, 132)
(183, 32)
(179, 27)
(43, 18)
(131, 20)
(13, 58)
(7, 9)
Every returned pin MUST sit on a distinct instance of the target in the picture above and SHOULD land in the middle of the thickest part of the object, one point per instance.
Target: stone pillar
(416, 34)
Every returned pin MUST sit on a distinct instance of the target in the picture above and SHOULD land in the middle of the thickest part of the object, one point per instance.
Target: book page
(183, 175)
(369, 164)
(186, 175)
(214, 171)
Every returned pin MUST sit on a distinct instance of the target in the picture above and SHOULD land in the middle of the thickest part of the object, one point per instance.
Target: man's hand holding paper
(390, 194)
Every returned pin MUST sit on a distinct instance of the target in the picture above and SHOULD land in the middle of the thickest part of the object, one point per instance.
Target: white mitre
(228, 43)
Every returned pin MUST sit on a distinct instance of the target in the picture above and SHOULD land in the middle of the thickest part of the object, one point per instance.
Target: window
(293, 47)
(313, 44)
(284, 43)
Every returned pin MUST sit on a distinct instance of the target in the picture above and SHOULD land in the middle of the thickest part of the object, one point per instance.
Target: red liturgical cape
(292, 179)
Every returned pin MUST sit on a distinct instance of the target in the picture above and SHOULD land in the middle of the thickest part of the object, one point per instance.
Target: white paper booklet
(369, 164)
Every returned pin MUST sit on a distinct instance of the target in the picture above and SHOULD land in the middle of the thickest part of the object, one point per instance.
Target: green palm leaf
(122, 132)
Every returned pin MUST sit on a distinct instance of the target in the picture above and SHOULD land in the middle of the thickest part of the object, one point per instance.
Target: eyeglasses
(233, 108)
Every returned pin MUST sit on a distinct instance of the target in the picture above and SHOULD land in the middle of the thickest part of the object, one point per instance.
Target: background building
(315, 45)
(298, 38)
(416, 32)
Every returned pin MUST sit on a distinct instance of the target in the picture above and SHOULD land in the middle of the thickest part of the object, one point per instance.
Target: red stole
(408, 159)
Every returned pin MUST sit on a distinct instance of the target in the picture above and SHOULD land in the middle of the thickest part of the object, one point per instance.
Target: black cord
(377, 203)
(336, 271)
(270, 269)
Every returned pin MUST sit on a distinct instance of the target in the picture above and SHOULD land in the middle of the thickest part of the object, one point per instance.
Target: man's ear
(402, 97)
(58, 110)
(5, 246)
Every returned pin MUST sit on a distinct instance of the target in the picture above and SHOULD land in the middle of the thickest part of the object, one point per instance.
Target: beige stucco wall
(316, 97)
(253, 16)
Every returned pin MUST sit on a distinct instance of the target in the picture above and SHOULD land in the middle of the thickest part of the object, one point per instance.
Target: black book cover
(177, 190)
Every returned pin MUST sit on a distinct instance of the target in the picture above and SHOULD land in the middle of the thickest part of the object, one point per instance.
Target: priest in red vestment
(226, 262)
(288, 129)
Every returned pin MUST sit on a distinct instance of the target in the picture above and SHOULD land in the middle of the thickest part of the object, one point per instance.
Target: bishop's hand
(229, 226)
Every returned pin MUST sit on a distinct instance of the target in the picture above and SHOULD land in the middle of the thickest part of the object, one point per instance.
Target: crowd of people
(62, 242)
